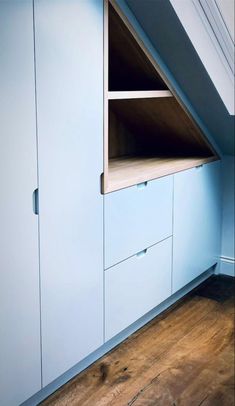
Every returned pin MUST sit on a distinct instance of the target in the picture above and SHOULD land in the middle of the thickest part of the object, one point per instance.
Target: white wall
(211, 49)
(226, 8)
(228, 250)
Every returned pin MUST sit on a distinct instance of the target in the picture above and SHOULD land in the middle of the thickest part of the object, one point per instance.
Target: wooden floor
(183, 357)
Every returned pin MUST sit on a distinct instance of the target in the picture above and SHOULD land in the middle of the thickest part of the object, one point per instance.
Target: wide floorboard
(184, 357)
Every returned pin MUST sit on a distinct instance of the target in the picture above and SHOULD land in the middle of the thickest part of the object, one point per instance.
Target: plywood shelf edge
(126, 172)
(139, 94)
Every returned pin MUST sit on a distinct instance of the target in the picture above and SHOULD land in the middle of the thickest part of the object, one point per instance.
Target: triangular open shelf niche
(148, 132)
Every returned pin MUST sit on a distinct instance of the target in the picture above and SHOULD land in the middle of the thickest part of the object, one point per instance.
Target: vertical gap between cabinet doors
(103, 269)
(105, 95)
(105, 136)
(37, 157)
(172, 242)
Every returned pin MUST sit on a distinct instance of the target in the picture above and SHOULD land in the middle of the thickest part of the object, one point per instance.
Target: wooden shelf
(148, 132)
(129, 171)
(153, 126)
(142, 94)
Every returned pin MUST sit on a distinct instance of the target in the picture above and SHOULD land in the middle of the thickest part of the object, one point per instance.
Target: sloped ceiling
(162, 26)
(206, 28)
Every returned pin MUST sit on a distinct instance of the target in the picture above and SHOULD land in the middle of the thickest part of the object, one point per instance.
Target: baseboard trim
(227, 266)
(109, 345)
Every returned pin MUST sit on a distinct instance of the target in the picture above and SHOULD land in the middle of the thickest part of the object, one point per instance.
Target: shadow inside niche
(217, 287)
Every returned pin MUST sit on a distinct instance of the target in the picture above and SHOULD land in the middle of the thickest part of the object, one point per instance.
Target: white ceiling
(208, 24)
(226, 8)
(159, 27)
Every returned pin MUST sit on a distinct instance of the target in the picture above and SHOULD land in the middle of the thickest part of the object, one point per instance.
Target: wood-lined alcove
(148, 132)
(129, 67)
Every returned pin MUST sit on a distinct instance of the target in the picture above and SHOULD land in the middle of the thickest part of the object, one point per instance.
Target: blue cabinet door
(20, 363)
(137, 217)
(197, 222)
(69, 76)
(137, 285)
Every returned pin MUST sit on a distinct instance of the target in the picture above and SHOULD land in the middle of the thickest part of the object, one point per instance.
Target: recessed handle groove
(142, 185)
(35, 202)
(141, 253)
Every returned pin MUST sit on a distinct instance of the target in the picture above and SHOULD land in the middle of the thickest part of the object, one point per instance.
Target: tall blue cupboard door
(69, 76)
(20, 374)
(197, 222)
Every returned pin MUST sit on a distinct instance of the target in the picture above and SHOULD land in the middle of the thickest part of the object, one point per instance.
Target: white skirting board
(227, 266)
(105, 348)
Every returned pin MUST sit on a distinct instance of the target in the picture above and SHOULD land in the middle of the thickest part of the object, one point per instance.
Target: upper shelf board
(149, 94)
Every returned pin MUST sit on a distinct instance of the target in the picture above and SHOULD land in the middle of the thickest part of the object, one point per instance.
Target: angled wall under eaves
(160, 29)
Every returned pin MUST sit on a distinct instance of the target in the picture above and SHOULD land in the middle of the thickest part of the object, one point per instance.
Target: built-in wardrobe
(110, 190)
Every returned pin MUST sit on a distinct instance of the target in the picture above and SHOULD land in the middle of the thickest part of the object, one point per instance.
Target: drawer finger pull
(35, 202)
(141, 253)
(142, 185)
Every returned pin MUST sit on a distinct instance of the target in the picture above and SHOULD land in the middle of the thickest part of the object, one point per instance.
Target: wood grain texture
(127, 170)
(122, 19)
(106, 105)
(141, 126)
(183, 357)
(129, 66)
(159, 125)
(149, 94)
(149, 138)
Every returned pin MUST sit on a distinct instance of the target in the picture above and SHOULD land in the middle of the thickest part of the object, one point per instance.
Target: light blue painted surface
(136, 218)
(71, 261)
(20, 373)
(197, 222)
(105, 348)
(206, 29)
(137, 285)
(69, 71)
(228, 177)
(227, 265)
